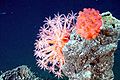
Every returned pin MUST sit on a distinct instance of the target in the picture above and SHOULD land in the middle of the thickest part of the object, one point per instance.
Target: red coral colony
(88, 23)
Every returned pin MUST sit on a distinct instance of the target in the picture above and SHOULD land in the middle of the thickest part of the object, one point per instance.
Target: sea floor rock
(92, 59)
(19, 73)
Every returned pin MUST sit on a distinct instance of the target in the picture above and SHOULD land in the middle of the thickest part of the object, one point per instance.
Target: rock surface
(92, 59)
(19, 73)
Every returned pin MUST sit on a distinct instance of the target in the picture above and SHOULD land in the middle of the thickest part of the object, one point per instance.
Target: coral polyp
(51, 39)
(88, 23)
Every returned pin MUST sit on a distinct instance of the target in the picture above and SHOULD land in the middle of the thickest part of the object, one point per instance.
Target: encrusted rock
(19, 73)
(92, 59)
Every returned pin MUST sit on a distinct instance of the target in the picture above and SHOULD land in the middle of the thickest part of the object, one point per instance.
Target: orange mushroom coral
(88, 23)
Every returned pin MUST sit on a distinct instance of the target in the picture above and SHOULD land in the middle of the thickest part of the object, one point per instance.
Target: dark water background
(20, 21)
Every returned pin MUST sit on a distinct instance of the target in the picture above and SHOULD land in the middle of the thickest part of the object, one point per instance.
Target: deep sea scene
(59, 40)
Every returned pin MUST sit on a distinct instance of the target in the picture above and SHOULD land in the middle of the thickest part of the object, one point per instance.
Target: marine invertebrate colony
(56, 32)
(52, 38)
(88, 23)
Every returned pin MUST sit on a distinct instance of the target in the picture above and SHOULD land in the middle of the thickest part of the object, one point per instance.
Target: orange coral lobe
(66, 38)
(88, 23)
